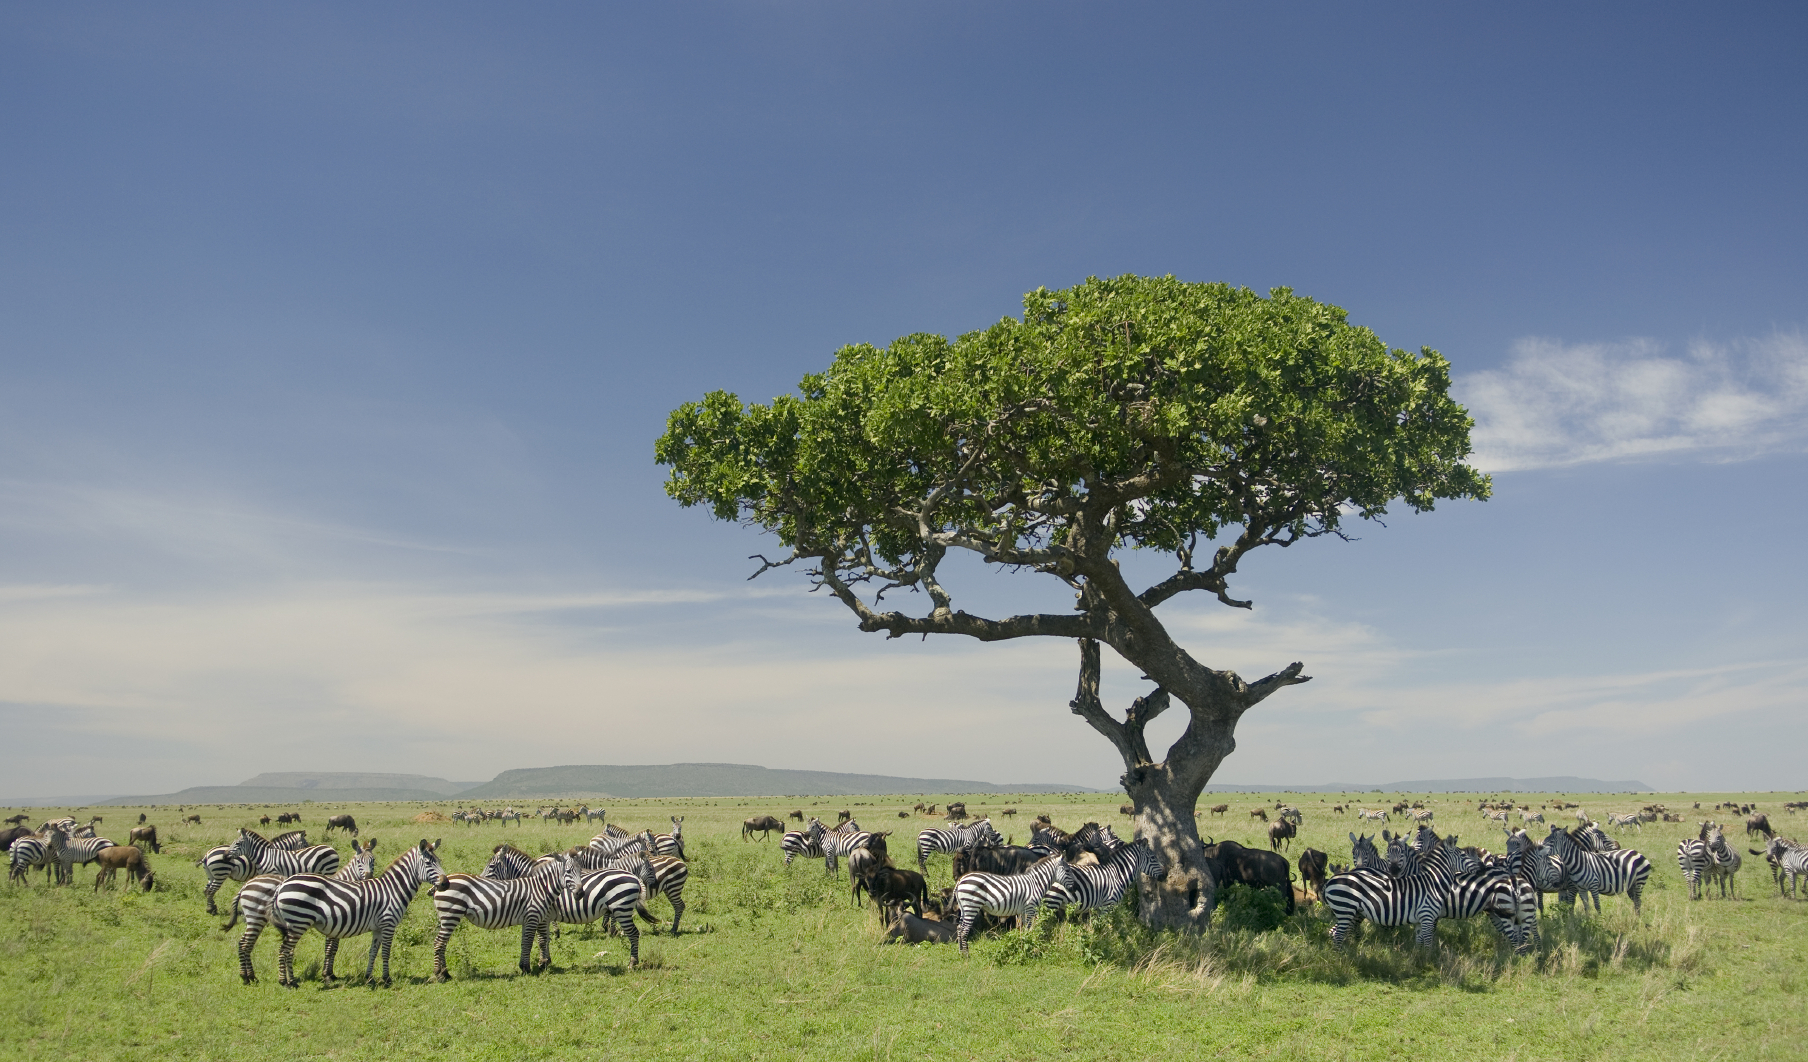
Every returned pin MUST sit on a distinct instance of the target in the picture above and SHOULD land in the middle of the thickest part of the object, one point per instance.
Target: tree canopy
(1140, 412)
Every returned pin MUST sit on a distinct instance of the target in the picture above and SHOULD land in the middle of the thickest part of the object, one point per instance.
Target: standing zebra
(1414, 897)
(1693, 860)
(1005, 895)
(616, 845)
(1595, 873)
(1508, 900)
(28, 852)
(1789, 859)
(952, 839)
(671, 844)
(1103, 885)
(1373, 816)
(266, 858)
(341, 909)
(806, 843)
(67, 852)
(1725, 862)
(255, 897)
(615, 893)
(492, 904)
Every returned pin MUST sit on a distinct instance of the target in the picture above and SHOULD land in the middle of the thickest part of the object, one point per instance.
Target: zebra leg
(527, 945)
(248, 941)
(379, 941)
(677, 911)
(545, 939)
(625, 920)
(440, 940)
(1427, 936)
(1341, 930)
(285, 958)
(964, 929)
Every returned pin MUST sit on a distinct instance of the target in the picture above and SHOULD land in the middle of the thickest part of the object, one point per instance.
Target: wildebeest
(910, 929)
(1229, 861)
(122, 857)
(1009, 813)
(994, 859)
(1758, 824)
(1219, 809)
(797, 814)
(265, 821)
(288, 817)
(9, 836)
(196, 819)
(19, 818)
(147, 835)
(1259, 813)
(763, 825)
(1282, 832)
(342, 822)
(888, 885)
(1126, 809)
(1312, 863)
(903, 814)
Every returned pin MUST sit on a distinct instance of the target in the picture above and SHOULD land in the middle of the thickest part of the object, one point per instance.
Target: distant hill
(252, 794)
(723, 780)
(355, 780)
(1563, 784)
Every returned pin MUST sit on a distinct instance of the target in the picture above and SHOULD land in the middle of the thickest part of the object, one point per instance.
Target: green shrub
(1255, 910)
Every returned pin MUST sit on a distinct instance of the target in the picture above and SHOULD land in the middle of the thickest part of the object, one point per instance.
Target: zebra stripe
(341, 909)
(67, 852)
(1789, 860)
(615, 893)
(28, 852)
(614, 846)
(321, 859)
(1091, 888)
(1508, 900)
(951, 839)
(493, 904)
(220, 863)
(671, 844)
(256, 895)
(1006, 895)
(1595, 873)
(1415, 896)
(1692, 858)
(1725, 862)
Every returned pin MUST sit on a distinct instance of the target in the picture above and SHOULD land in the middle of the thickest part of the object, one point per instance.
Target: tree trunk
(1165, 795)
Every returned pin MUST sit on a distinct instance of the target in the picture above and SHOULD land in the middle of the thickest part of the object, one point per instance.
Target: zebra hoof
(440, 978)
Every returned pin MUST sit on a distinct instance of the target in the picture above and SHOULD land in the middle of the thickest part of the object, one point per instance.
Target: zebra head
(364, 861)
(422, 865)
(1145, 861)
(569, 879)
(1363, 853)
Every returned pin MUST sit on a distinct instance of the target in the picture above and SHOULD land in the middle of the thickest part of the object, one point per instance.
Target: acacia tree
(1130, 413)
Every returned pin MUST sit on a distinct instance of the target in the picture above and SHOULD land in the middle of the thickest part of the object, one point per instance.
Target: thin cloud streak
(1554, 404)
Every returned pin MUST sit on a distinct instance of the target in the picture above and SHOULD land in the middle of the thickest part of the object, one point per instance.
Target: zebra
(1422, 815)
(1787, 858)
(221, 862)
(1004, 895)
(615, 845)
(615, 893)
(806, 842)
(322, 859)
(1693, 860)
(1293, 815)
(1373, 816)
(255, 896)
(348, 909)
(293, 841)
(1363, 854)
(1595, 873)
(1623, 821)
(67, 852)
(1725, 862)
(28, 852)
(1414, 896)
(671, 843)
(1595, 839)
(1529, 817)
(1508, 900)
(952, 839)
(669, 877)
(493, 904)
(1091, 888)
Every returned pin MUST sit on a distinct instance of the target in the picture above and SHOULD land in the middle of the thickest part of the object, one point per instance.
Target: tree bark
(1165, 795)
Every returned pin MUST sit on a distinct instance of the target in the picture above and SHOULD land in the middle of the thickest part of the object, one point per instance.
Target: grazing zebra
(1421, 815)
(952, 839)
(28, 852)
(256, 895)
(222, 862)
(1693, 860)
(1374, 816)
(1623, 821)
(615, 893)
(347, 909)
(1091, 888)
(1725, 862)
(594, 816)
(1293, 815)
(1597, 873)
(68, 851)
(1499, 816)
(493, 904)
(1005, 895)
(1415, 896)
(1529, 817)
(1787, 859)
(322, 859)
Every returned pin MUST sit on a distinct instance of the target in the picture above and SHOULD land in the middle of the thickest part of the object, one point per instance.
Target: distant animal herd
(1414, 878)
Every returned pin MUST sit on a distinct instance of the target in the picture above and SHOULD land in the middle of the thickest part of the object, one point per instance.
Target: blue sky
(334, 339)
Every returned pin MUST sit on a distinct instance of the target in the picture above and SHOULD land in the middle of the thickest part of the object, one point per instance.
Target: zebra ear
(1352, 838)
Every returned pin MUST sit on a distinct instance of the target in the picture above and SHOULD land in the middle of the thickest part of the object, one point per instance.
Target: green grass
(777, 963)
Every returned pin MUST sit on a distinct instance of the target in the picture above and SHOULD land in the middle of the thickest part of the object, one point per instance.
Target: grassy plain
(777, 963)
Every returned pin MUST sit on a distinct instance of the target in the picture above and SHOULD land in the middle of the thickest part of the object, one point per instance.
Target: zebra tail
(641, 909)
(235, 916)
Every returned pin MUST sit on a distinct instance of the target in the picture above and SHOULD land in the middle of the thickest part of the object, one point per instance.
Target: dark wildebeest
(1259, 813)
(146, 835)
(141, 818)
(903, 814)
(994, 859)
(1009, 813)
(1312, 863)
(122, 857)
(1281, 832)
(1758, 824)
(265, 821)
(842, 816)
(910, 929)
(7, 837)
(17, 819)
(797, 814)
(1126, 809)
(888, 885)
(1229, 861)
(288, 817)
(196, 819)
(342, 822)
(762, 824)
(1219, 809)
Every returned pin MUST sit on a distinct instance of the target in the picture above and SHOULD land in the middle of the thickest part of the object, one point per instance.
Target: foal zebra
(952, 839)
(1416, 896)
(256, 895)
(348, 909)
(492, 904)
(1005, 895)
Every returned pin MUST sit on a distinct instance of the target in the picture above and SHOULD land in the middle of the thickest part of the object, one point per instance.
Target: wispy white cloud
(1559, 404)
